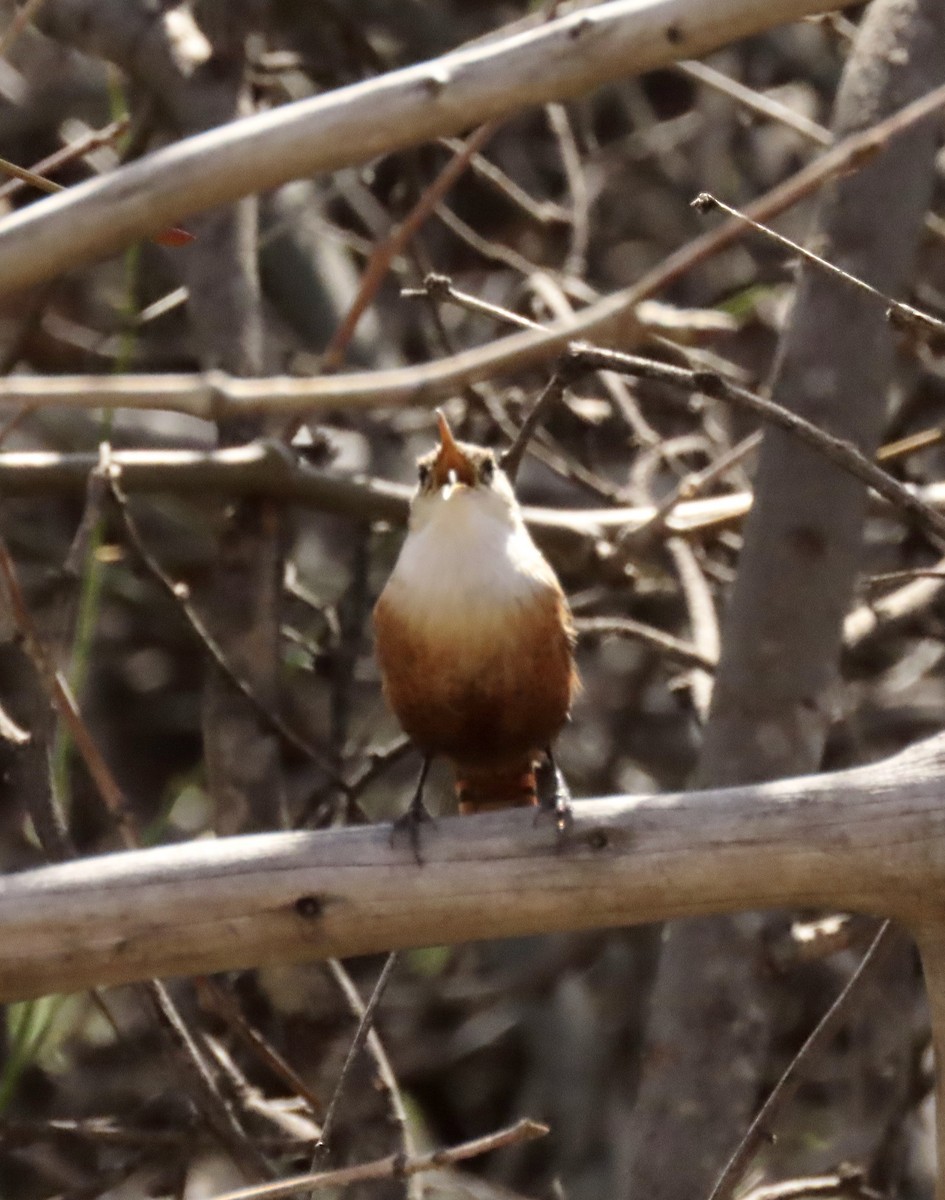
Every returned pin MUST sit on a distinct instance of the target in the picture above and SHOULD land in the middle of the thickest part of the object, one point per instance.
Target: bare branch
(826, 1029)
(867, 840)
(554, 61)
(269, 469)
(394, 1166)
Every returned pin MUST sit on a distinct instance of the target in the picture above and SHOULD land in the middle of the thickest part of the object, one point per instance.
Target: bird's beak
(452, 467)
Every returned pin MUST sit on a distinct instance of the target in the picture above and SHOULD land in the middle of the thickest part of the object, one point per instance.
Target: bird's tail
(489, 791)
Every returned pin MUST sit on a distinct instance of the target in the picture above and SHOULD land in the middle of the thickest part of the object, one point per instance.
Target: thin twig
(919, 593)
(20, 1132)
(905, 314)
(545, 212)
(16, 419)
(576, 261)
(315, 812)
(214, 1107)
(210, 1101)
(36, 175)
(849, 1182)
(703, 619)
(710, 383)
(910, 444)
(682, 651)
(365, 1025)
(511, 458)
(820, 1037)
(559, 304)
(690, 486)
(178, 593)
(440, 287)
(63, 702)
(216, 997)
(32, 178)
(248, 1102)
(375, 763)
(394, 1166)
(379, 262)
(18, 22)
(492, 251)
(907, 574)
(171, 236)
(757, 102)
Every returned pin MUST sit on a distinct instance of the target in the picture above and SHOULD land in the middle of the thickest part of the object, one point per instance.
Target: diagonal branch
(468, 87)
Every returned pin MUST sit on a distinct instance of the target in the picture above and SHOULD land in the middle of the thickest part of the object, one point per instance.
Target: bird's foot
(417, 812)
(409, 823)
(554, 795)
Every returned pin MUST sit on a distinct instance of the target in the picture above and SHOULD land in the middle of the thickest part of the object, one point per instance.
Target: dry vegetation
(203, 1085)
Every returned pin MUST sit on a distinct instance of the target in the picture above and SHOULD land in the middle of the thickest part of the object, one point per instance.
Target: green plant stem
(93, 569)
(30, 1025)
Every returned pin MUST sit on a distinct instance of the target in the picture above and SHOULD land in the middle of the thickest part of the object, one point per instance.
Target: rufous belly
(489, 695)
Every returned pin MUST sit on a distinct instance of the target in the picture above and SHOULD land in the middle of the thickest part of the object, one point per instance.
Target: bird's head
(460, 472)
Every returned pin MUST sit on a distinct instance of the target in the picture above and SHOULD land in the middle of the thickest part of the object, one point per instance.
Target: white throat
(468, 560)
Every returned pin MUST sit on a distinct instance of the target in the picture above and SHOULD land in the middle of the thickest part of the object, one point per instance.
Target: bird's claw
(409, 823)
(554, 797)
(563, 815)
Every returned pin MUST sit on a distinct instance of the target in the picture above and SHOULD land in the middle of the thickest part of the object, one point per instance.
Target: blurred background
(562, 205)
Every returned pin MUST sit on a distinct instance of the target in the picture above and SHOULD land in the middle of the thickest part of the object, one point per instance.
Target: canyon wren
(474, 637)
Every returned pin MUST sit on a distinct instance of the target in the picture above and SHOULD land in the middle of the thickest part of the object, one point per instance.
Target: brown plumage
(474, 634)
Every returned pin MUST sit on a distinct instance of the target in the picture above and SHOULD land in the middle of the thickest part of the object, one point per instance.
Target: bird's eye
(487, 470)
(423, 474)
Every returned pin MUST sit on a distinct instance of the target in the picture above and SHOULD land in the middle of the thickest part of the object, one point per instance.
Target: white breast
(468, 563)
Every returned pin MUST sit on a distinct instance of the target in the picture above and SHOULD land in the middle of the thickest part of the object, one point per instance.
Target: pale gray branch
(868, 840)
(268, 468)
(445, 96)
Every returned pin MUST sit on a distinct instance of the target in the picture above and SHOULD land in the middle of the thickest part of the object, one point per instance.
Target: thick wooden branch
(869, 840)
(556, 60)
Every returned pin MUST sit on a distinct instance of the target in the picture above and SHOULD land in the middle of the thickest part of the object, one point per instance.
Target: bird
(474, 638)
